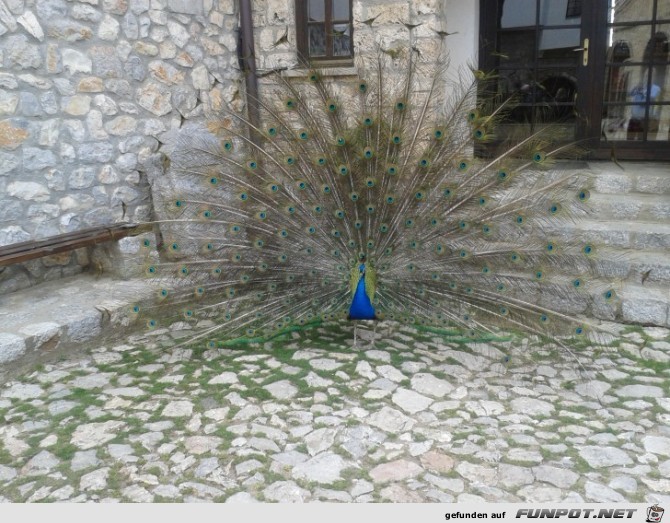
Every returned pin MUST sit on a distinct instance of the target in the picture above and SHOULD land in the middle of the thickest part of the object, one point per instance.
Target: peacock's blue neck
(361, 308)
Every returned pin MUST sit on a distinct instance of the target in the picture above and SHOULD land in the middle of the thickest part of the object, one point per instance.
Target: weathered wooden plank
(30, 250)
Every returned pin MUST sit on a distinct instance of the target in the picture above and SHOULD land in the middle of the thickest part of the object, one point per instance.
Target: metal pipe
(248, 59)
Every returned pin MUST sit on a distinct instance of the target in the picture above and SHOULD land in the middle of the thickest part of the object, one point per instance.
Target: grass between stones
(253, 376)
(5, 457)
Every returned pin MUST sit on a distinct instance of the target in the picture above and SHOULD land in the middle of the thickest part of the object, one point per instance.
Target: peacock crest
(371, 198)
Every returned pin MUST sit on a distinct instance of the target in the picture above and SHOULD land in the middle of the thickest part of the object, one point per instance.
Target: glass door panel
(537, 64)
(630, 10)
(636, 104)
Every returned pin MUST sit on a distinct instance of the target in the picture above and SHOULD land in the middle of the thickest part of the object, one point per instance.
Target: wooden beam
(30, 250)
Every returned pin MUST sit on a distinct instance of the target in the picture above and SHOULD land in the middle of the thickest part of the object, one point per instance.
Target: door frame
(590, 83)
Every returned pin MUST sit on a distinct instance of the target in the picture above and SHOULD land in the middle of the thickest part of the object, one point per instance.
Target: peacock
(396, 195)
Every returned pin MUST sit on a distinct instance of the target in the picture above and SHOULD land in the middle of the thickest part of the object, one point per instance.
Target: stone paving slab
(403, 416)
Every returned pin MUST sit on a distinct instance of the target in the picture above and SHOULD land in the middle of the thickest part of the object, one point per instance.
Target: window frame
(302, 36)
(591, 84)
(573, 9)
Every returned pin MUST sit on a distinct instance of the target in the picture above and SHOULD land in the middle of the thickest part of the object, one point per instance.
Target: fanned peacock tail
(273, 228)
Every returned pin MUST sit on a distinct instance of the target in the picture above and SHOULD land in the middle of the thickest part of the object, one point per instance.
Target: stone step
(64, 314)
(645, 305)
(649, 269)
(638, 235)
(630, 177)
(650, 208)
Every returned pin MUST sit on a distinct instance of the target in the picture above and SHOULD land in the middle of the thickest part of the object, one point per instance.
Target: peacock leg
(374, 335)
(355, 324)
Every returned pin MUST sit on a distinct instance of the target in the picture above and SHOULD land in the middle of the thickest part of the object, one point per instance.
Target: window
(636, 109)
(600, 77)
(531, 46)
(324, 29)
(574, 9)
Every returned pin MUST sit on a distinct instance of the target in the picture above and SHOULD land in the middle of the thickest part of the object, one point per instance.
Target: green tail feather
(261, 239)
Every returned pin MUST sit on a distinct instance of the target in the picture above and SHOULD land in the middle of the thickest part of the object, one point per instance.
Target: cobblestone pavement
(413, 417)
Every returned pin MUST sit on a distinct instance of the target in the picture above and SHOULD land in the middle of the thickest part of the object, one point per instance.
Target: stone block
(12, 347)
(49, 102)
(55, 180)
(145, 49)
(35, 81)
(119, 87)
(12, 134)
(116, 7)
(49, 9)
(123, 50)
(139, 6)
(101, 216)
(133, 144)
(13, 234)
(58, 261)
(109, 28)
(145, 24)
(77, 105)
(184, 99)
(43, 211)
(22, 54)
(157, 16)
(201, 78)
(8, 81)
(106, 105)
(82, 178)
(86, 13)
(660, 211)
(10, 210)
(121, 126)
(126, 162)
(95, 152)
(130, 26)
(653, 184)
(165, 72)
(606, 310)
(178, 33)
(645, 311)
(609, 183)
(90, 84)
(7, 18)
(86, 326)
(8, 102)
(35, 159)
(29, 22)
(657, 238)
(188, 7)
(68, 30)
(75, 129)
(64, 87)
(29, 104)
(155, 98)
(76, 62)
(105, 61)
(13, 279)
(54, 64)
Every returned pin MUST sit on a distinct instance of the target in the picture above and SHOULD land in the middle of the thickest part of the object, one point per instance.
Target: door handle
(585, 51)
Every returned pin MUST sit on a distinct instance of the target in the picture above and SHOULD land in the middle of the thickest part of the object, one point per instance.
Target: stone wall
(87, 90)
(91, 89)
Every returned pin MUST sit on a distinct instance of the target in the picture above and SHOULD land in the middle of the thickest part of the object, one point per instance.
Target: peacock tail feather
(266, 225)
